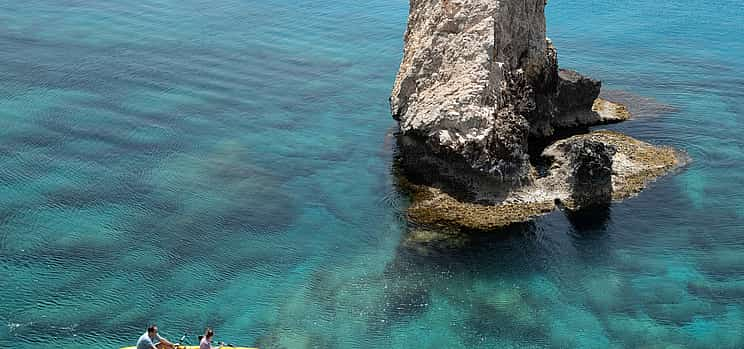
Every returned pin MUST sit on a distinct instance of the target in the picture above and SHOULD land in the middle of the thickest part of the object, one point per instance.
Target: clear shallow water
(148, 147)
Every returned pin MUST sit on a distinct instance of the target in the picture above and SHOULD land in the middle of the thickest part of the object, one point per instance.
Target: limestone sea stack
(479, 79)
(479, 76)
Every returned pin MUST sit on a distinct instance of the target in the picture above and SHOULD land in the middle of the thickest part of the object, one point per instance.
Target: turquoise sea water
(228, 163)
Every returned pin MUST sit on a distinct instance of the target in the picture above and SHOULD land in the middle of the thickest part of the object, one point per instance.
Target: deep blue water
(228, 163)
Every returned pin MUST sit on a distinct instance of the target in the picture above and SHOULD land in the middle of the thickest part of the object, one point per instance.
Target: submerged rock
(429, 241)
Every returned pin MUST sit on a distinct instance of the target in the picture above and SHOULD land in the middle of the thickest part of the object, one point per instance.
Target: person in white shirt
(206, 341)
(151, 340)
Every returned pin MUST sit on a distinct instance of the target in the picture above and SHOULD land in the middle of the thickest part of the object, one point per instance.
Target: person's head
(152, 330)
(208, 334)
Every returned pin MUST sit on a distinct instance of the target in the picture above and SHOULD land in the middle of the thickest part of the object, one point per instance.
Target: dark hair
(208, 333)
(152, 328)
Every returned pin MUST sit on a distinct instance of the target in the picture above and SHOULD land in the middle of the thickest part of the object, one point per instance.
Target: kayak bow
(195, 347)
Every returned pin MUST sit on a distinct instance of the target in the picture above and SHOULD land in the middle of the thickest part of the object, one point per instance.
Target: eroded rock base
(587, 170)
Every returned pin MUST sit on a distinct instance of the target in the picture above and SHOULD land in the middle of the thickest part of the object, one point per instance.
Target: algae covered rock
(589, 169)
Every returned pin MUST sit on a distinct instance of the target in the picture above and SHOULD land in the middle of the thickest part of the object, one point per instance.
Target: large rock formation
(478, 81)
(478, 77)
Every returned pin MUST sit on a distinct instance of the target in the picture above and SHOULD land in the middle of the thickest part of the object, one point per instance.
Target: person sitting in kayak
(206, 341)
(151, 340)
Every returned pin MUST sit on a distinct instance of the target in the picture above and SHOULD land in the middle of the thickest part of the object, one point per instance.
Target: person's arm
(166, 342)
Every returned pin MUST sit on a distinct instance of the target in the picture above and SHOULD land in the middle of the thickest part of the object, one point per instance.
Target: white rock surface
(475, 75)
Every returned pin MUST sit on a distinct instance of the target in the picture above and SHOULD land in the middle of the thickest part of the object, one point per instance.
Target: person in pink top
(206, 341)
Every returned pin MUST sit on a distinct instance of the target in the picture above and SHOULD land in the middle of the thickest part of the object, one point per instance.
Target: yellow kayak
(194, 347)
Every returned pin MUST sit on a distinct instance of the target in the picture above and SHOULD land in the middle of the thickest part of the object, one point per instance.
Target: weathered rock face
(587, 167)
(478, 80)
(478, 77)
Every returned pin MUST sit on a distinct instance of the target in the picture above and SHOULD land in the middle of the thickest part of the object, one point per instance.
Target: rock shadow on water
(226, 189)
(515, 249)
(482, 267)
(589, 229)
(444, 243)
(590, 221)
(421, 277)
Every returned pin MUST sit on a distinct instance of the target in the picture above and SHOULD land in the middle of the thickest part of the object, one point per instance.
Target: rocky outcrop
(423, 164)
(478, 82)
(478, 77)
(586, 170)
